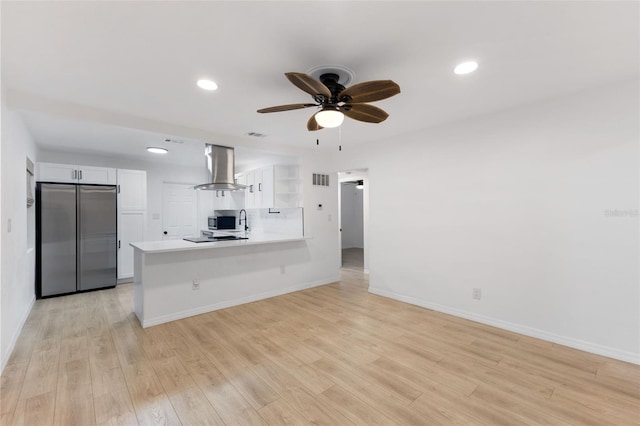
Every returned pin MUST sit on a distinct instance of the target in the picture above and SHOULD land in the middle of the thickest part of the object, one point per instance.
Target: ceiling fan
(335, 101)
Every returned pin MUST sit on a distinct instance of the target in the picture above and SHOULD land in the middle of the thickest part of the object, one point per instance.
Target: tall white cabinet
(132, 212)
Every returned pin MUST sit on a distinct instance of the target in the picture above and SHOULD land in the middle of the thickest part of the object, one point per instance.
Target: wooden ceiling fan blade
(370, 91)
(313, 125)
(308, 84)
(365, 112)
(286, 107)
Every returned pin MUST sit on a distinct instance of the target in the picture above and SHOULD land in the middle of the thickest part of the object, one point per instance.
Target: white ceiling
(133, 63)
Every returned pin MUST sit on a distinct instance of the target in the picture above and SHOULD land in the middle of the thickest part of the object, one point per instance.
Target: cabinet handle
(118, 244)
(74, 175)
(222, 193)
(251, 188)
(80, 173)
(260, 187)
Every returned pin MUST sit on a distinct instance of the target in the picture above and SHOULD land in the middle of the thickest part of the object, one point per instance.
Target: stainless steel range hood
(221, 165)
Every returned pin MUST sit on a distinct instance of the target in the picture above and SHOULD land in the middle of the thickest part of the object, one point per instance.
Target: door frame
(347, 176)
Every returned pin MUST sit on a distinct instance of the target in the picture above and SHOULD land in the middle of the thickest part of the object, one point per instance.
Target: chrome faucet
(246, 225)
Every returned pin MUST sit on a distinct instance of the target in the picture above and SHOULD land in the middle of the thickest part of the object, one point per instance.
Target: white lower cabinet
(130, 230)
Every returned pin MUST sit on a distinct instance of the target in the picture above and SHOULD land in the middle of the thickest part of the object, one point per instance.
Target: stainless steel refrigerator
(76, 238)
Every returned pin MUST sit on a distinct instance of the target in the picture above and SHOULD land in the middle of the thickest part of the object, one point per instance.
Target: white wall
(351, 214)
(18, 244)
(518, 203)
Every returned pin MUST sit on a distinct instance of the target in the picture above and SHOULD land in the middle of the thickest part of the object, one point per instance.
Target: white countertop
(181, 245)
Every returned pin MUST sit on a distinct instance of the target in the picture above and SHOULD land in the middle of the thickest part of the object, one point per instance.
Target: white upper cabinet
(287, 186)
(132, 190)
(71, 173)
(276, 186)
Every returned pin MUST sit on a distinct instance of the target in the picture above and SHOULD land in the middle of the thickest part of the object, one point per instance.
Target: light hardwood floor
(332, 355)
(353, 259)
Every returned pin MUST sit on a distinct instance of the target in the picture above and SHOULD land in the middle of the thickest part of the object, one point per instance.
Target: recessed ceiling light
(465, 67)
(157, 150)
(207, 84)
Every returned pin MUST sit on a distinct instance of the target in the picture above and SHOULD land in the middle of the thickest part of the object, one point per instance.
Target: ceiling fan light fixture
(329, 117)
(465, 68)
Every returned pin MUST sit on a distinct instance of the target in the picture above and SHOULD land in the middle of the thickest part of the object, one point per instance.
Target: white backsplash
(286, 222)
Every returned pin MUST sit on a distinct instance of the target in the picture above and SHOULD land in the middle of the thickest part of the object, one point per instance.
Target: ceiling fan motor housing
(331, 81)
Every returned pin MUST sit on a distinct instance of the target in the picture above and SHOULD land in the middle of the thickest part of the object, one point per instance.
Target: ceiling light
(157, 150)
(207, 84)
(466, 68)
(329, 117)
(360, 184)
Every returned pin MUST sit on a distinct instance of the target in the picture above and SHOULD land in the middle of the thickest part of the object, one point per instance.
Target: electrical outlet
(477, 293)
(196, 285)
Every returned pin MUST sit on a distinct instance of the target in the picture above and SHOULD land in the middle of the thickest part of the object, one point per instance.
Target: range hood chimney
(221, 165)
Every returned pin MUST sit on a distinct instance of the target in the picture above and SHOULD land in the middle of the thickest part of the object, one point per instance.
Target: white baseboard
(16, 333)
(229, 303)
(582, 345)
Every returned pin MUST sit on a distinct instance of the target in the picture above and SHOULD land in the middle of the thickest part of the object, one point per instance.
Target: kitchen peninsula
(176, 279)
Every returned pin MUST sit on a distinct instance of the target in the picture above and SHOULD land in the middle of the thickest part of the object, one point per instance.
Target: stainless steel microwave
(221, 222)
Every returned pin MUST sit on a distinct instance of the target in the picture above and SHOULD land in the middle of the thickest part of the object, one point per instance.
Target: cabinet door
(238, 198)
(221, 200)
(265, 188)
(250, 192)
(51, 172)
(97, 175)
(130, 230)
(132, 187)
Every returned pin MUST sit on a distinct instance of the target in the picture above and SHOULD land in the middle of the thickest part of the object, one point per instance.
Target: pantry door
(179, 211)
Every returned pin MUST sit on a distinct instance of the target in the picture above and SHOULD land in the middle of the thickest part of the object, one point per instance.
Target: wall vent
(320, 179)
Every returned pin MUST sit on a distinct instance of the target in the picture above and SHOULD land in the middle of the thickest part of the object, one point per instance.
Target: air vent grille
(176, 141)
(257, 134)
(320, 179)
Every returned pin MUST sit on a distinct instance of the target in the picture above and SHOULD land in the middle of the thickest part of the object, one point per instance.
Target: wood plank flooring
(331, 355)
(353, 259)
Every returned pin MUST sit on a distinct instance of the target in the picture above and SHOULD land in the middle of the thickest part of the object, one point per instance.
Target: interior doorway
(354, 220)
